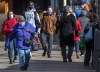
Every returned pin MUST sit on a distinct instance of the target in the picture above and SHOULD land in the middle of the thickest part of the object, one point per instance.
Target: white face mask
(11, 16)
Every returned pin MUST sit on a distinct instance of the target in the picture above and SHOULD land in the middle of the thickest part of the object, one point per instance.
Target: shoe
(92, 64)
(49, 56)
(82, 55)
(11, 61)
(69, 59)
(86, 64)
(65, 61)
(77, 56)
(26, 67)
(44, 53)
(22, 68)
(15, 58)
(35, 49)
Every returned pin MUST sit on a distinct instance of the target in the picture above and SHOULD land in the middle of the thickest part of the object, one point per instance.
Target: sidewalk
(43, 64)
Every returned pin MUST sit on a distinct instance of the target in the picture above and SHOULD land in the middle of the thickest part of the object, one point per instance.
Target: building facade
(18, 6)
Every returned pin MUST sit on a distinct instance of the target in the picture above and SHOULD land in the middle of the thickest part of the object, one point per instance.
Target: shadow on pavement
(50, 66)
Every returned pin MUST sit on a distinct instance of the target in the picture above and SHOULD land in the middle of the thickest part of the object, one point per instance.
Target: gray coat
(84, 21)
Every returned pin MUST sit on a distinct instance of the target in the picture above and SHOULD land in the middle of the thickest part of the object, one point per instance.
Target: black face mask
(30, 8)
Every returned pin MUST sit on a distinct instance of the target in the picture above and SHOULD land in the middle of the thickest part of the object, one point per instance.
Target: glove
(38, 31)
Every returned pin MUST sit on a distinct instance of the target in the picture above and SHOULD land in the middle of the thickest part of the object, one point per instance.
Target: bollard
(98, 65)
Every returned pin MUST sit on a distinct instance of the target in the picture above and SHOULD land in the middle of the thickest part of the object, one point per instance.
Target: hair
(49, 6)
(9, 12)
(31, 3)
(21, 18)
(68, 9)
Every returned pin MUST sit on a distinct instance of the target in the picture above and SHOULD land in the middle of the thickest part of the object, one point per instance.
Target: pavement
(44, 64)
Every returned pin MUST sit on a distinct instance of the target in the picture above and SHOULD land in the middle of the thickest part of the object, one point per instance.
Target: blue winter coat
(18, 33)
(78, 12)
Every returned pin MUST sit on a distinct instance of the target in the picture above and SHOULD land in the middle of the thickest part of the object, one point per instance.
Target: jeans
(47, 39)
(24, 53)
(77, 46)
(12, 50)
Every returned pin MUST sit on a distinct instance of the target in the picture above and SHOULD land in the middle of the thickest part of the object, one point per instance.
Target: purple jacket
(18, 33)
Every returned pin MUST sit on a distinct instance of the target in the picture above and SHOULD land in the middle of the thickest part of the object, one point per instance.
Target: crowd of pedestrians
(29, 29)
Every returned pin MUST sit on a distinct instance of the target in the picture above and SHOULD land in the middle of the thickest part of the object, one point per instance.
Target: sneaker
(82, 55)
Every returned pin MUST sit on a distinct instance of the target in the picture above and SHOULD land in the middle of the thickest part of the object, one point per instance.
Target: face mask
(30, 8)
(11, 16)
(22, 23)
(49, 11)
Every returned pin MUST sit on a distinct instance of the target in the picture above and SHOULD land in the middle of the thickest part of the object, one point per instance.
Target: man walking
(47, 31)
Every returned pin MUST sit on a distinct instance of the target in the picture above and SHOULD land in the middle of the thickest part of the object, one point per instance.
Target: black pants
(64, 54)
(89, 51)
(67, 41)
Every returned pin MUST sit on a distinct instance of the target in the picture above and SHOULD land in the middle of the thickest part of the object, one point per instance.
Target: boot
(26, 67)
(64, 60)
(49, 56)
(69, 59)
(11, 61)
(44, 53)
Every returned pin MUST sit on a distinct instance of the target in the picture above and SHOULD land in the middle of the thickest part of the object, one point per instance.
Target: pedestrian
(77, 38)
(83, 21)
(78, 11)
(8, 25)
(67, 28)
(47, 31)
(22, 32)
(32, 17)
(94, 23)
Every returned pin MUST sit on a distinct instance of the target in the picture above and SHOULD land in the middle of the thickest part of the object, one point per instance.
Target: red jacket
(8, 25)
(79, 29)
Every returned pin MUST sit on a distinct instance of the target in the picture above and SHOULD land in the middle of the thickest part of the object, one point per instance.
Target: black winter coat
(67, 28)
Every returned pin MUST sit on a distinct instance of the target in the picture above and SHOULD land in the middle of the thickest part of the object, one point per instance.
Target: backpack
(89, 35)
(89, 31)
